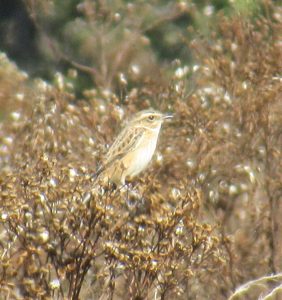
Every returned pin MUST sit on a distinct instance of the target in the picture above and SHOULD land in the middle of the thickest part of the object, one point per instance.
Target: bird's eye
(151, 118)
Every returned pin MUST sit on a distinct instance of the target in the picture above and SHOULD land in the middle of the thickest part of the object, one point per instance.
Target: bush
(204, 217)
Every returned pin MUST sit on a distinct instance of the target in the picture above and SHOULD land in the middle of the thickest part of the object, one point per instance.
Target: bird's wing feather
(127, 140)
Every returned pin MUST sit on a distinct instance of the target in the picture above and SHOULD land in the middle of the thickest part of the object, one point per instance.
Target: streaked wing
(126, 141)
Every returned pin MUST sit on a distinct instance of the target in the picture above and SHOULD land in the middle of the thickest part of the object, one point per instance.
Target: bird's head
(149, 119)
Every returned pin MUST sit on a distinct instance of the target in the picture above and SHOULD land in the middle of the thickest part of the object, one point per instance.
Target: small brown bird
(133, 148)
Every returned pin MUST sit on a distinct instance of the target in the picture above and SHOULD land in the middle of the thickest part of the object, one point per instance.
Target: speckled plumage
(133, 148)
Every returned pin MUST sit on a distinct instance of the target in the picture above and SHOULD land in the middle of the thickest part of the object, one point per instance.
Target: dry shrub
(64, 237)
(244, 66)
(204, 217)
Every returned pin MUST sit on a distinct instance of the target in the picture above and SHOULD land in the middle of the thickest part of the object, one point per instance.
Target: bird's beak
(168, 116)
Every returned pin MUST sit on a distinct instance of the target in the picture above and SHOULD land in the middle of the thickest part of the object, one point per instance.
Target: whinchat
(133, 148)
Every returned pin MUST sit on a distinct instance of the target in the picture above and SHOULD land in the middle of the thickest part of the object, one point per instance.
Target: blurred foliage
(205, 218)
(104, 38)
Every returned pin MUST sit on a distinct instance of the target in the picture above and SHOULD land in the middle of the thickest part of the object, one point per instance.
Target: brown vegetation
(203, 219)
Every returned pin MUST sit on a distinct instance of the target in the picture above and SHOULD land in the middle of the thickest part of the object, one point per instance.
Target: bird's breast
(141, 157)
